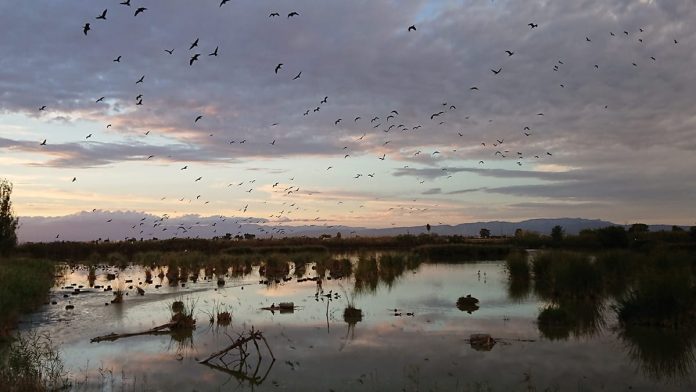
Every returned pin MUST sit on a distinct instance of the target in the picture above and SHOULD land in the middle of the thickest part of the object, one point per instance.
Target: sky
(591, 116)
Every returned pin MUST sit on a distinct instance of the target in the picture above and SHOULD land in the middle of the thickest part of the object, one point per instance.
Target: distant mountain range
(87, 226)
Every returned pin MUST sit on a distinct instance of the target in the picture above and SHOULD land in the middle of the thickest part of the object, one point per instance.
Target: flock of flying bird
(388, 125)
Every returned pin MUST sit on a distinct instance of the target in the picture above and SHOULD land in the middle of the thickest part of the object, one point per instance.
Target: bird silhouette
(169, 51)
(86, 28)
(194, 58)
(223, 2)
(298, 76)
(532, 25)
(141, 80)
(198, 118)
(117, 59)
(278, 67)
(193, 44)
(324, 100)
(102, 15)
(509, 53)
(127, 2)
(42, 108)
(100, 99)
(139, 11)
(273, 14)
(412, 28)
(498, 71)
(215, 52)
(293, 13)
(43, 143)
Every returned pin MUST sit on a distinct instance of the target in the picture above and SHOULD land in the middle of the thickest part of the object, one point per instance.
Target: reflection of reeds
(661, 353)
(519, 277)
(462, 252)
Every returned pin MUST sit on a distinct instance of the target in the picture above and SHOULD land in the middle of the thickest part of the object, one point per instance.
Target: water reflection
(355, 351)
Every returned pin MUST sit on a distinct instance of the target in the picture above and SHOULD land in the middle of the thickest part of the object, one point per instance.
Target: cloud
(615, 133)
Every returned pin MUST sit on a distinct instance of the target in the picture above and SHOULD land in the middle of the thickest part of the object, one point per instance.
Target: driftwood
(240, 343)
(153, 331)
(283, 307)
(239, 368)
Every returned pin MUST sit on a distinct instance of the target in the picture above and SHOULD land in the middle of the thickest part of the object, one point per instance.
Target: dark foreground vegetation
(651, 295)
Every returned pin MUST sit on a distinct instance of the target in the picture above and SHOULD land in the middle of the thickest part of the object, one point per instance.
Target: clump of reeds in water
(182, 315)
(661, 300)
(352, 315)
(118, 295)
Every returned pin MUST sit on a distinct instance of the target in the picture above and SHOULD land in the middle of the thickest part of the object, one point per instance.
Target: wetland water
(316, 349)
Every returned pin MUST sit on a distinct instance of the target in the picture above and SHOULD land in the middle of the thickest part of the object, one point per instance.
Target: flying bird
(324, 100)
(337, 121)
(86, 28)
(169, 51)
(117, 59)
(194, 58)
(193, 45)
(43, 143)
(298, 76)
(102, 15)
(100, 99)
(42, 108)
(532, 25)
(273, 14)
(139, 11)
(223, 2)
(498, 71)
(412, 28)
(215, 52)
(278, 67)
(142, 78)
(127, 2)
(293, 13)
(509, 53)
(198, 118)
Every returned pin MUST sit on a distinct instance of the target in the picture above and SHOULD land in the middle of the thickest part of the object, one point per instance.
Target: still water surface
(316, 350)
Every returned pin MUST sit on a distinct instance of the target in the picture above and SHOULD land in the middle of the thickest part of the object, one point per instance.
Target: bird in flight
(43, 143)
(273, 14)
(139, 10)
(169, 51)
(194, 58)
(532, 25)
(74, 179)
(298, 76)
(193, 45)
(498, 71)
(324, 100)
(142, 78)
(215, 52)
(100, 99)
(127, 2)
(117, 59)
(278, 67)
(509, 53)
(88, 136)
(86, 28)
(382, 157)
(293, 13)
(473, 88)
(337, 121)
(102, 15)
(42, 108)
(198, 118)
(223, 2)
(412, 28)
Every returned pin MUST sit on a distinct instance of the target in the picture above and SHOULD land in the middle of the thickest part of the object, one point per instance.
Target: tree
(677, 229)
(557, 234)
(639, 228)
(484, 233)
(519, 233)
(427, 227)
(692, 232)
(8, 222)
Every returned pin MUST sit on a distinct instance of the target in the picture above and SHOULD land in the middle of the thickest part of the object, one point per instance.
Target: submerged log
(159, 330)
